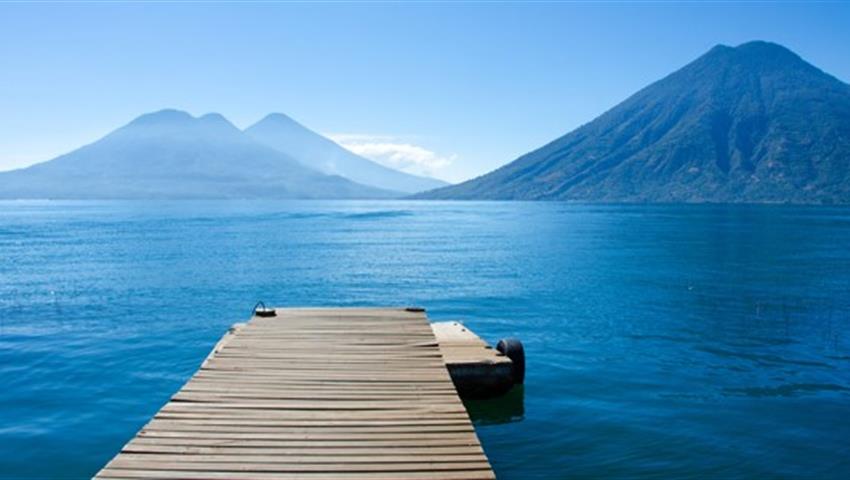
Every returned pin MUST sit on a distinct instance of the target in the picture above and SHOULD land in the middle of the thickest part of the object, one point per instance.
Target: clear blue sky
(457, 88)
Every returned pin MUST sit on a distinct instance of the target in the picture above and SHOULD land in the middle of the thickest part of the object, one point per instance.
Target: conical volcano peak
(213, 118)
(753, 123)
(754, 48)
(216, 120)
(286, 135)
(761, 48)
(277, 120)
(173, 118)
(171, 154)
(171, 123)
(277, 117)
(168, 116)
(755, 55)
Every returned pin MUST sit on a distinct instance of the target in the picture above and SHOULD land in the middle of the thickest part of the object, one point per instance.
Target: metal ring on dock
(261, 310)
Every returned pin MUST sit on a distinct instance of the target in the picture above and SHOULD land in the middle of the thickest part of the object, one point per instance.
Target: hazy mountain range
(753, 123)
(171, 154)
(288, 136)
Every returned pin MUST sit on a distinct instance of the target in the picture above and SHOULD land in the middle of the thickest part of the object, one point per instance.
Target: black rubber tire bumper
(513, 349)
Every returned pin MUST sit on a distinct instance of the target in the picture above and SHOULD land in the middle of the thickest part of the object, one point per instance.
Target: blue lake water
(662, 341)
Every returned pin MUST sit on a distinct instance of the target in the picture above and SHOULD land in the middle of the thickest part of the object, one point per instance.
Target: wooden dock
(314, 394)
(476, 368)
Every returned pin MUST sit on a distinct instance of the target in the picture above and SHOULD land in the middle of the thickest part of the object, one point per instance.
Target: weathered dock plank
(313, 394)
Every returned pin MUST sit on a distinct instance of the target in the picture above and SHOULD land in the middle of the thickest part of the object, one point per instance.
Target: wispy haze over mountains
(754, 123)
(171, 154)
(416, 73)
(290, 137)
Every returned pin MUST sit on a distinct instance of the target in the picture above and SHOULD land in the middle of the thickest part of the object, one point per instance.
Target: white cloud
(395, 153)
